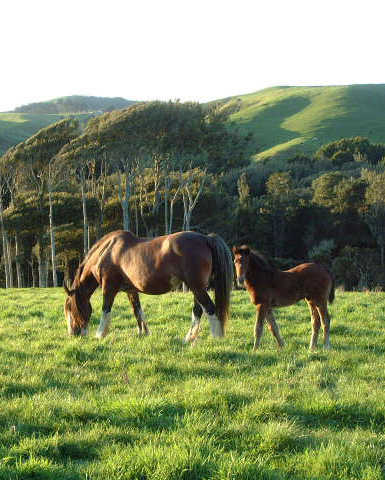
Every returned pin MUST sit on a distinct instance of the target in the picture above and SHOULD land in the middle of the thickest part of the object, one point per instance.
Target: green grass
(289, 120)
(17, 127)
(155, 408)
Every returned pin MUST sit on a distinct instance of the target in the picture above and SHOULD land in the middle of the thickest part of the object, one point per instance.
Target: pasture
(155, 408)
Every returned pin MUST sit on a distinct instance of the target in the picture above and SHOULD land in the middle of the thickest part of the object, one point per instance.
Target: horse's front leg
(108, 300)
(196, 315)
(274, 329)
(143, 329)
(262, 310)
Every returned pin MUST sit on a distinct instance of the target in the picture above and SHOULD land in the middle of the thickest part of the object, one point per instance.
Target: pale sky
(192, 50)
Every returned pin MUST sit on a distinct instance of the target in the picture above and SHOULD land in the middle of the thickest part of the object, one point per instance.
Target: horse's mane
(100, 245)
(261, 262)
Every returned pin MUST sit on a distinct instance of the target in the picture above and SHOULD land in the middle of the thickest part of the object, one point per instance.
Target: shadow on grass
(241, 359)
(336, 416)
(12, 390)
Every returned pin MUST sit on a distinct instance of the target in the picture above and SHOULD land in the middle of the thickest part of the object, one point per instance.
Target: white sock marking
(215, 325)
(104, 324)
(194, 330)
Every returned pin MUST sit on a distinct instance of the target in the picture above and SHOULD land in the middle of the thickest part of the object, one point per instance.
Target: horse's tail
(332, 295)
(222, 276)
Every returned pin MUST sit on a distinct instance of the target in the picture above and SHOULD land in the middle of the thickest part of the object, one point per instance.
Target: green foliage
(24, 216)
(322, 252)
(350, 149)
(154, 408)
(75, 104)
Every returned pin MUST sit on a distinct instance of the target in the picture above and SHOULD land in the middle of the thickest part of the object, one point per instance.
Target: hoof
(100, 335)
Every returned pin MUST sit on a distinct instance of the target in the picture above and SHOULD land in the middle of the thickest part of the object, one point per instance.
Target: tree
(278, 204)
(375, 214)
(35, 159)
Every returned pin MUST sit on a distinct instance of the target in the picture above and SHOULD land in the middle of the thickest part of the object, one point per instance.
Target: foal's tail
(332, 295)
(222, 276)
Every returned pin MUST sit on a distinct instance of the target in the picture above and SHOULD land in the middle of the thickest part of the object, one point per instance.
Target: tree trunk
(166, 190)
(9, 260)
(53, 247)
(136, 218)
(189, 203)
(33, 272)
(85, 219)
(125, 200)
(41, 261)
(17, 259)
(5, 250)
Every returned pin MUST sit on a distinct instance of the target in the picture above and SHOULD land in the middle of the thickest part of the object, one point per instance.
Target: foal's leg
(258, 327)
(196, 315)
(274, 329)
(133, 296)
(108, 300)
(315, 325)
(325, 320)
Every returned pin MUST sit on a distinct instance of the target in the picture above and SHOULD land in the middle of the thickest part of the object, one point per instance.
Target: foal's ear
(241, 250)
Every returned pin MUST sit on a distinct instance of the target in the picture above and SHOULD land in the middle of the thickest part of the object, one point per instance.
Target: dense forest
(159, 167)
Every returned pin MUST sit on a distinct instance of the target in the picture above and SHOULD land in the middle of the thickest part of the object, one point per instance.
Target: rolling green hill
(284, 120)
(26, 120)
(17, 127)
(75, 104)
(289, 120)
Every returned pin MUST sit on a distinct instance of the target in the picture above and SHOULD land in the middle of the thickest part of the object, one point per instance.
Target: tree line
(158, 167)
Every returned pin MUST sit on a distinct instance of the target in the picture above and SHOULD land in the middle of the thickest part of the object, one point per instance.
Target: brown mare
(269, 287)
(121, 261)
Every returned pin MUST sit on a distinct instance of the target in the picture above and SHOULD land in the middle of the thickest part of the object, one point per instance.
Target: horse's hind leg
(274, 329)
(197, 312)
(325, 320)
(143, 329)
(204, 300)
(315, 325)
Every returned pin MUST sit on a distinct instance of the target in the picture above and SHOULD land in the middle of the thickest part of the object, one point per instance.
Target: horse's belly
(158, 286)
(285, 301)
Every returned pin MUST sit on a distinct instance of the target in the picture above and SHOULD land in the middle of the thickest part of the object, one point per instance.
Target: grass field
(155, 408)
(17, 127)
(288, 120)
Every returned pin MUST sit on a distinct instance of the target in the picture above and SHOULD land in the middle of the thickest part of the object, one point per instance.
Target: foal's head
(241, 262)
(77, 311)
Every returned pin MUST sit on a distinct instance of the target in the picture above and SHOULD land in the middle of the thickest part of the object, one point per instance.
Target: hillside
(288, 120)
(25, 121)
(75, 104)
(284, 120)
(17, 127)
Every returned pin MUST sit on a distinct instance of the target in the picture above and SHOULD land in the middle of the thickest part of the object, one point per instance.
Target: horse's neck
(85, 283)
(260, 276)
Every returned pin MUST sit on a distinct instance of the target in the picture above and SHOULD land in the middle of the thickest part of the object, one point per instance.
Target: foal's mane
(261, 262)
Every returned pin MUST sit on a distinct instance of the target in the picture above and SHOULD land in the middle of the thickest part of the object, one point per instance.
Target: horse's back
(153, 265)
(315, 280)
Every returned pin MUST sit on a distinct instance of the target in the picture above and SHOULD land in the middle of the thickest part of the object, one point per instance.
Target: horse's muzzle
(241, 281)
(76, 332)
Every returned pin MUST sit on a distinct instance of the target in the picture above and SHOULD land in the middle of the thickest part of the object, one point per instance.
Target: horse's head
(77, 312)
(241, 262)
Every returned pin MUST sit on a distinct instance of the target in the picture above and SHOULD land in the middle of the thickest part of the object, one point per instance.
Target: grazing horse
(120, 261)
(269, 287)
